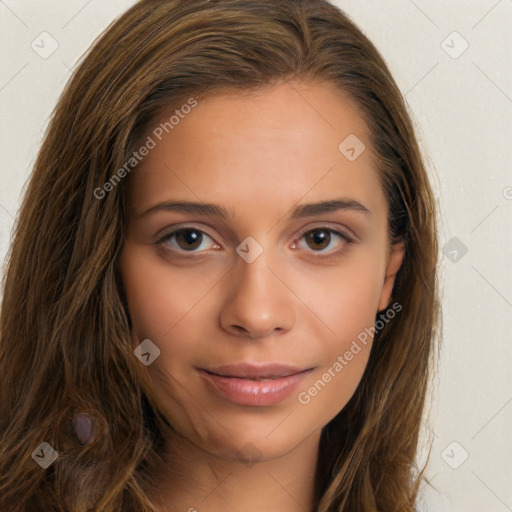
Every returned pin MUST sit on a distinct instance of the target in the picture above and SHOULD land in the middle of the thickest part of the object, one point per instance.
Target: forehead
(265, 149)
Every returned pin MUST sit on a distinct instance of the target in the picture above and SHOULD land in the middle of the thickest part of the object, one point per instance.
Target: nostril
(239, 328)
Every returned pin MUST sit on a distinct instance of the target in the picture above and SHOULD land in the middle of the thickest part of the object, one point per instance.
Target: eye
(187, 239)
(323, 237)
(191, 240)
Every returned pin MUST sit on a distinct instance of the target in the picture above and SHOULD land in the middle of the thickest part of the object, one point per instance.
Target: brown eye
(325, 242)
(188, 239)
(318, 238)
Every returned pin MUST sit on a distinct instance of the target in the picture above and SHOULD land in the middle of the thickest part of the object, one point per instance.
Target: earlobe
(394, 263)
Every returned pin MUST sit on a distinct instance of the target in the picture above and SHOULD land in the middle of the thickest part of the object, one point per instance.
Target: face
(258, 302)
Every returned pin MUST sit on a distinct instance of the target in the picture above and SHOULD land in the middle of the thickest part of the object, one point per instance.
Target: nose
(258, 303)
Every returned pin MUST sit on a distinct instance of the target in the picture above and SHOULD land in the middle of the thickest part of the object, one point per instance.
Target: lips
(255, 371)
(253, 385)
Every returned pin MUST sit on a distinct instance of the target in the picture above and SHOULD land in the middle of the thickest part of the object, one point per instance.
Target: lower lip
(253, 392)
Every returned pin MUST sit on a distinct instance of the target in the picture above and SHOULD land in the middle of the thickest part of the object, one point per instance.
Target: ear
(394, 263)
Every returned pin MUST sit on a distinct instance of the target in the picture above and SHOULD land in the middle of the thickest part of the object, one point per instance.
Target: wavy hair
(66, 343)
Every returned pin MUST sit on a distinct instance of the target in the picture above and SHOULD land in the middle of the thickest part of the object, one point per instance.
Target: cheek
(346, 302)
(345, 353)
(344, 298)
(158, 297)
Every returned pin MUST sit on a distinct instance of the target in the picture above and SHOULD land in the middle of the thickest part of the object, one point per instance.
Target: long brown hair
(66, 343)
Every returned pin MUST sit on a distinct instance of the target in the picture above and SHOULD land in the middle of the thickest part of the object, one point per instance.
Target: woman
(222, 292)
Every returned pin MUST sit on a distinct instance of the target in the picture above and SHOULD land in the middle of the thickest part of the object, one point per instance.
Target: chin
(253, 446)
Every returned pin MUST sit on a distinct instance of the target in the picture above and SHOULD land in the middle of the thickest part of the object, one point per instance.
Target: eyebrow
(214, 210)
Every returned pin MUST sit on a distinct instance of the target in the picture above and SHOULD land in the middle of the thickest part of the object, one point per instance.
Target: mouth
(270, 377)
(253, 371)
(253, 385)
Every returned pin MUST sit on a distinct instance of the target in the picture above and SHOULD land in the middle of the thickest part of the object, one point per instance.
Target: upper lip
(255, 370)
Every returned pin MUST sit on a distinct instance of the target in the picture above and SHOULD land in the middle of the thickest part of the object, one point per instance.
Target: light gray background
(462, 107)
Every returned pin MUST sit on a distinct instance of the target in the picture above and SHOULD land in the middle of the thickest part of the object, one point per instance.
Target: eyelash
(348, 240)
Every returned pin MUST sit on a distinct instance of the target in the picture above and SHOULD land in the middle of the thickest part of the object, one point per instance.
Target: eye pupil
(189, 236)
(319, 236)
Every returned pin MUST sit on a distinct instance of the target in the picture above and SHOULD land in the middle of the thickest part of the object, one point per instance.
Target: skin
(259, 156)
